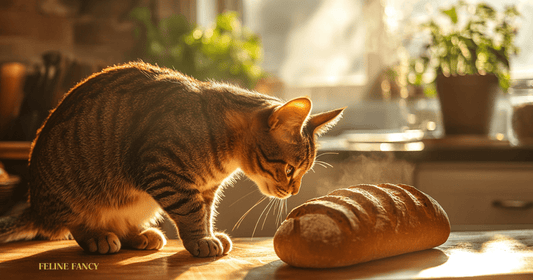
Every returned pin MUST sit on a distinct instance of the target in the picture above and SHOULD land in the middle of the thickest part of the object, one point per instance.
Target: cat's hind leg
(96, 241)
(148, 239)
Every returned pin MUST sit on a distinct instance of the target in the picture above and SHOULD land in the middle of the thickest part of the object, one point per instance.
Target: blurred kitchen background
(338, 52)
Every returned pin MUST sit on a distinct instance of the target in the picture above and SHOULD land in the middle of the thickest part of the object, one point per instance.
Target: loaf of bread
(359, 224)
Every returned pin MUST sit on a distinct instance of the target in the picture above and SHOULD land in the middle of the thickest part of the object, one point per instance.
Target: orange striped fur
(136, 140)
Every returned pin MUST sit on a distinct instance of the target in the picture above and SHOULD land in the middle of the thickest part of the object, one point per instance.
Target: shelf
(15, 150)
(466, 141)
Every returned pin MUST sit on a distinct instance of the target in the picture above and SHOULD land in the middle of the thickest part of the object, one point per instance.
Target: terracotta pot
(467, 103)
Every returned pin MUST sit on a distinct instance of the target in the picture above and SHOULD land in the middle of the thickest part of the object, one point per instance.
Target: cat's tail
(17, 227)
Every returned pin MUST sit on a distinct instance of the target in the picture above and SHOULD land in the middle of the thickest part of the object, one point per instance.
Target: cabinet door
(480, 195)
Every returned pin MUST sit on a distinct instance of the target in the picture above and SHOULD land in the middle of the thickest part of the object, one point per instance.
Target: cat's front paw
(226, 242)
(107, 243)
(150, 239)
(208, 246)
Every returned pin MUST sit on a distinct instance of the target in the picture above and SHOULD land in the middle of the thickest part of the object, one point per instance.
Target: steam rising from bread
(366, 169)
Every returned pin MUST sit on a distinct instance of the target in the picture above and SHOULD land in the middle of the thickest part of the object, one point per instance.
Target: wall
(88, 30)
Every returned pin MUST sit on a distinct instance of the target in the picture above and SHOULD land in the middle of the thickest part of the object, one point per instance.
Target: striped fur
(136, 140)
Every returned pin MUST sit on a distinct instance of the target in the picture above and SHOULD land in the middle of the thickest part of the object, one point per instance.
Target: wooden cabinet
(481, 195)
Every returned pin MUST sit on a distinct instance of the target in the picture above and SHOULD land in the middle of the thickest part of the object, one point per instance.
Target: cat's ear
(289, 118)
(322, 122)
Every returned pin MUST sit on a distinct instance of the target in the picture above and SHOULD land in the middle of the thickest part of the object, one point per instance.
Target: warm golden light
(496, 256)
(144, 259)
(431, 126)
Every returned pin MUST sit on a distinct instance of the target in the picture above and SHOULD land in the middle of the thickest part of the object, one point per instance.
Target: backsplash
(87, 30)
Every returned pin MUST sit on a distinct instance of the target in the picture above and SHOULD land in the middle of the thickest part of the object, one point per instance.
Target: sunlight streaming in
(494, 257)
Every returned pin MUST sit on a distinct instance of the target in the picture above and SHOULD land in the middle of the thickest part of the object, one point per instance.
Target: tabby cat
(135, 140)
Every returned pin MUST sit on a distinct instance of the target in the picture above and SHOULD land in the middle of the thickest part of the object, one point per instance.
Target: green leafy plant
(479, 44)
(226, 51)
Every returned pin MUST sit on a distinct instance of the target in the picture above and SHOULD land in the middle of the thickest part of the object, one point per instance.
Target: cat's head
(284, 147)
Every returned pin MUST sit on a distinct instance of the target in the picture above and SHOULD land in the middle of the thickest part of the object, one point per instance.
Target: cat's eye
(289, 170)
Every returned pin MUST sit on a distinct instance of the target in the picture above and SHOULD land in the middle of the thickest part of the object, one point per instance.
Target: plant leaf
(451, 13)
(511, 11)
(501, 56)
(485, 11)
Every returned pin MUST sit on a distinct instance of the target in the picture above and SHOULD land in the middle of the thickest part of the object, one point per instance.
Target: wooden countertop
(473, 255)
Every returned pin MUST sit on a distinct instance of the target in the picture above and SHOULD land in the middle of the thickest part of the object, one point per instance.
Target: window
(311, 43)
(400, 14)
(336, 51)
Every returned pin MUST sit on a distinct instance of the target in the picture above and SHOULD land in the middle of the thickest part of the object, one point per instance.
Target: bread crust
(359, 224)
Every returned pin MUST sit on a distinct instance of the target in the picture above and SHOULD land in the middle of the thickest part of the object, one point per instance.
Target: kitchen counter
(473, 255)
(461, 148)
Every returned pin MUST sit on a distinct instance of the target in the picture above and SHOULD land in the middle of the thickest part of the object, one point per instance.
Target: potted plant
(467, 58)
(226, 51)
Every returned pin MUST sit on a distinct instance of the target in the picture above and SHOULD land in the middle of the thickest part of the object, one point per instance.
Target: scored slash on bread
(361, 223)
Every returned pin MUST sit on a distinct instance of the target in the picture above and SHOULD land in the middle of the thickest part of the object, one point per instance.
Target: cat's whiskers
(279, 217)
(259, 219)
(327, 163)
(274, 200)
(238, 223)
(323, 163)
(326, 153)
(244, 196)
(277, 213)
